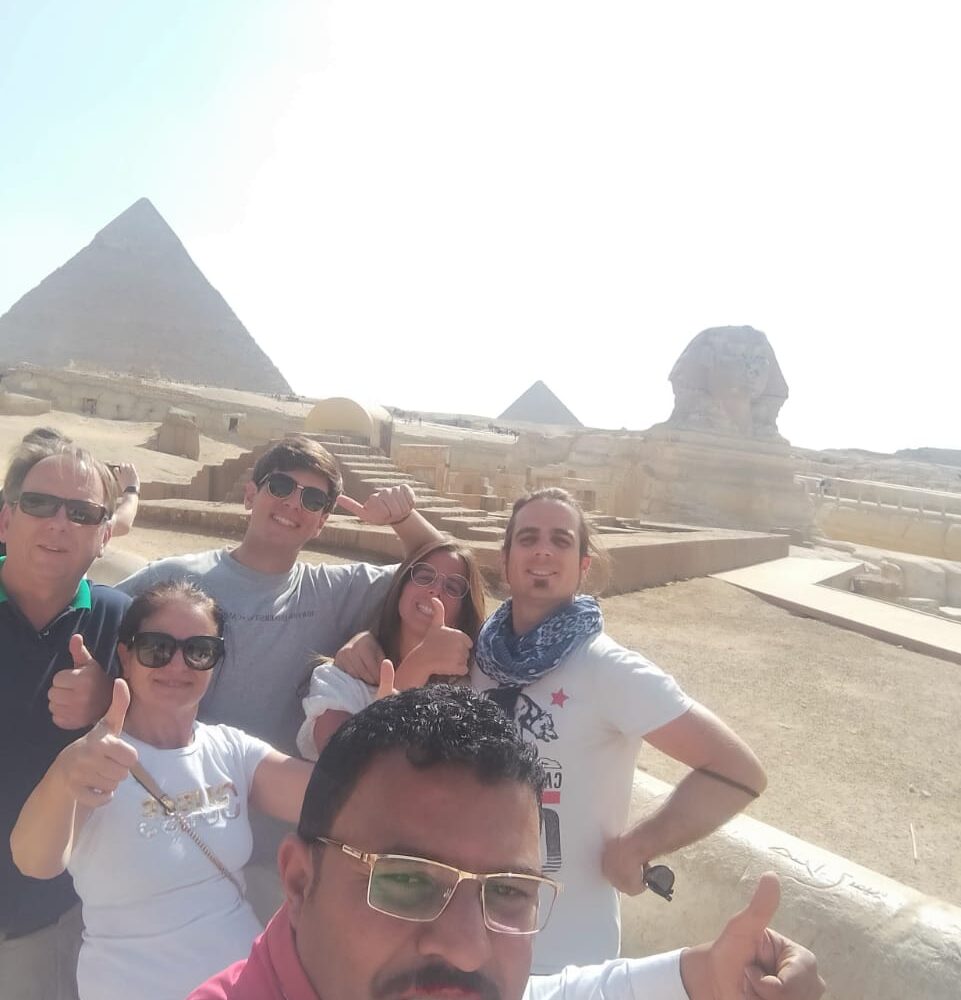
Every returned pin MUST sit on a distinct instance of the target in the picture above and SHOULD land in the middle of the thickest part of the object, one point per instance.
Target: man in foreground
(412, 797)
(55, 632)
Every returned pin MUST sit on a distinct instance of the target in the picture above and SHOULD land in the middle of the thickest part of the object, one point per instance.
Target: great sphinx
(728, 381)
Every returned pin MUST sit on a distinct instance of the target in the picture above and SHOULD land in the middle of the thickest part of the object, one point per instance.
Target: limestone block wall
(119, 397)
(875, 939)
(921, 533)
(427, 463)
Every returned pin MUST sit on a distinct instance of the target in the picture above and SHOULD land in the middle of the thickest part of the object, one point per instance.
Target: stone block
(878, 587)
(923, 578)
(178, 434)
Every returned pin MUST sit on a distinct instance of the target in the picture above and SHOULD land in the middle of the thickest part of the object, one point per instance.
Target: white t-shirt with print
(159, 918)
(587, 718)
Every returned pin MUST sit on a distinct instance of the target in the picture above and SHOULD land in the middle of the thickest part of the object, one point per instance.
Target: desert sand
(117, 441)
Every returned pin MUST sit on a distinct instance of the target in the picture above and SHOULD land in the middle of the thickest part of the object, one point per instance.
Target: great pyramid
(133, 300)
(538, 405)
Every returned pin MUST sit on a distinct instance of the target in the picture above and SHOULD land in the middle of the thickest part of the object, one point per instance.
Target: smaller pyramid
(538, 405)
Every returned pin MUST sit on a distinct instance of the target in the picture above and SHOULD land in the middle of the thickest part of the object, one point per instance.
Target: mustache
(437, 976)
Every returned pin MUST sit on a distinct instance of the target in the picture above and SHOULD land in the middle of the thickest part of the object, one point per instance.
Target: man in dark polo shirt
(55, 631)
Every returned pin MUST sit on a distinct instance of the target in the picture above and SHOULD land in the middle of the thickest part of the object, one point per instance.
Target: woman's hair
(386, 626)
(586, 538)
(151, 601)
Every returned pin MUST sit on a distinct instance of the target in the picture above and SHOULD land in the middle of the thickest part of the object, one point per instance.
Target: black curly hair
(437, 724)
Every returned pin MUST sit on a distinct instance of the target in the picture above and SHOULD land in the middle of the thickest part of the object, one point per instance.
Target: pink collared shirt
(272, 971)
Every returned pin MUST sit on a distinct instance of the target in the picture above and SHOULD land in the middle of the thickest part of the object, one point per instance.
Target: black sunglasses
(660, 879)
(78, 511)
(156, 649)
(312, 498)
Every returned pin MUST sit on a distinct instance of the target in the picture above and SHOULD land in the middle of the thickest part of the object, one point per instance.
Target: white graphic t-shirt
(159, 918)
(587, 718)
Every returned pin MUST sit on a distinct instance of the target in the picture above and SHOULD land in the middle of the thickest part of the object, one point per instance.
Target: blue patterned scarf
(519, 660)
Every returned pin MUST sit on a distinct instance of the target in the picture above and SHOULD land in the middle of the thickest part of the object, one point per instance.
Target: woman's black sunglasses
(78, 511)
(312, 498)
(156, 649)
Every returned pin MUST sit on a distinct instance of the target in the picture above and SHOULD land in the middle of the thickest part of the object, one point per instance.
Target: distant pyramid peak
(140, 224)
(538, 405)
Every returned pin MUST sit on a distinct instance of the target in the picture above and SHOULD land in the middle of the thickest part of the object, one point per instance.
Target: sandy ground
(859, 738)
(118, 441)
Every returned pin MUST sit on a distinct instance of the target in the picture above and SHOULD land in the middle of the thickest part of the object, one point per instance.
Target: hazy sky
(433, 204)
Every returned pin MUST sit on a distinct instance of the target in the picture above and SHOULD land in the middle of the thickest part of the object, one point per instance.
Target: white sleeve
(636, 696)
(654, 978)
(248, 750)
(330, 690)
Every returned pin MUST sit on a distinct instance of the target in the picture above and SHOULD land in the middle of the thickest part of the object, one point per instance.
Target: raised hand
(623, 866)
(126, 476)
(92, 767)
(388, 506)
(443, 650)
(80, 695)
(749, 961)
(386, 686)
(361, 657)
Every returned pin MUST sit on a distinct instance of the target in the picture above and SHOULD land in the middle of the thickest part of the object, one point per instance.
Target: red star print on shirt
(558, 697)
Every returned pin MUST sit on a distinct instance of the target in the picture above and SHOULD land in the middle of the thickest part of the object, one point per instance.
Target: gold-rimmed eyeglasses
(419, 889)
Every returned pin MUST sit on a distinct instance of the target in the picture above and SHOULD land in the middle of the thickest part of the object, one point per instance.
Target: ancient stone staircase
(365, 469)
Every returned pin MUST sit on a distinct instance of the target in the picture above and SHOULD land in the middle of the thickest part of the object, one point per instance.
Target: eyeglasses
(156, 649)
(312, 498)
(46, 505)
(453, 584)
(419, 890)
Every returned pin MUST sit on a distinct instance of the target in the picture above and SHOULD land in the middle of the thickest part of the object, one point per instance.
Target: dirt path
(859, 738)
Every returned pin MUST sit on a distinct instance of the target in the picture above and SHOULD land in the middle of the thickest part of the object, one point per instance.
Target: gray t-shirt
(276, 625)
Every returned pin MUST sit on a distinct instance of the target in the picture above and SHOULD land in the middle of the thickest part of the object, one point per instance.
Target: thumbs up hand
(386, 686)
(443, 651)
(749, 960)
(390, 505)
(92, 767)
(79, 696)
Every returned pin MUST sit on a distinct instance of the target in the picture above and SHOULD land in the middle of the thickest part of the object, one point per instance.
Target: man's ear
(585, 566)
(250, 491)
(5, 511)
(320, 526)
(295, 861)
(107, 533)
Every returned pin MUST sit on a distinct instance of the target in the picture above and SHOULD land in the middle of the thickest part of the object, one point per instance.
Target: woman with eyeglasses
(426, 627)
(149, 812)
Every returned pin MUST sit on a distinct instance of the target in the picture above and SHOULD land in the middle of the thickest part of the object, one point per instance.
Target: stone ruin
(719, 459)
(727, 381)
(178, 434)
